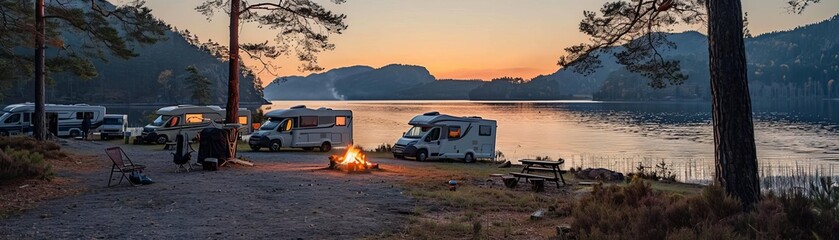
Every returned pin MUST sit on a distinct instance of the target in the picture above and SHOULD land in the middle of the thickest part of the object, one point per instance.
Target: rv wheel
(75, 133)
(469, 158)
(162, 139)
(275, 146)
(422, 155)
(4, 133)
(104, 137)
(325, 147)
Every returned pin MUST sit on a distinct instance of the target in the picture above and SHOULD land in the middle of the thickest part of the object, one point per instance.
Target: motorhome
(189, 120)
(113, 126)
(66, 119)
(301, 127)
(438, 136)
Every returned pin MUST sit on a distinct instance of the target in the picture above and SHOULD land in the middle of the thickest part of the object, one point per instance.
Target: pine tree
(304, 26)
(201, 86)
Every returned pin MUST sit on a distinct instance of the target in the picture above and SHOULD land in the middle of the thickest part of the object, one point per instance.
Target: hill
(136, 80)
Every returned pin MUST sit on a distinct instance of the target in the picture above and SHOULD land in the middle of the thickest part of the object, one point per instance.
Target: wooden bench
(528, 176)
(552, 167)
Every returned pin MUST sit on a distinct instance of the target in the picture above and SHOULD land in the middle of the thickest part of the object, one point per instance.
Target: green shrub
(636, 211)
(23, 164)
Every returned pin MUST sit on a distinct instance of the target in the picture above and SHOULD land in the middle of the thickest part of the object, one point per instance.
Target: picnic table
(551, 167)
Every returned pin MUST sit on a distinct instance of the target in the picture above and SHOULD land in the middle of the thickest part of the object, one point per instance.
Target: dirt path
(285, 196)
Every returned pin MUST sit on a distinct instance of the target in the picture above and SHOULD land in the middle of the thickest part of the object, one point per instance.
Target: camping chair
(122, 165)
(182, 155)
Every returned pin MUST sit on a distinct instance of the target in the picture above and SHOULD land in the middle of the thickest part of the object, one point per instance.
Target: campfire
(353, 160)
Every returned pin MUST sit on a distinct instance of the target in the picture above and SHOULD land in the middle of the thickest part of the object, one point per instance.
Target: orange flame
(354, 155)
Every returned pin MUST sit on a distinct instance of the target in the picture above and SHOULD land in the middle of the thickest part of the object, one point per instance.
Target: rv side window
(82, 115)
(434, 135)
(194, 118)
(13, 119)
(173, 122)
(326, 120)
(340, 121)
(289, 125)
(308, 121)
(454, 132)
(485, 130)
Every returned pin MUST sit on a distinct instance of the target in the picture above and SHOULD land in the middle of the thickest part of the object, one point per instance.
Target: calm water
(618, 135)
(791, 137)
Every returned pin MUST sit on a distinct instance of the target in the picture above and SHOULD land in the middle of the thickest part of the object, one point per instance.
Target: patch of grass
(478, 209)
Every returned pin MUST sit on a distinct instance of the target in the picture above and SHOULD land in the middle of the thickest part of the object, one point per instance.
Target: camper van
(301, 127)
(189, 120)
(66, 119)
(438, 136)
(113, 126)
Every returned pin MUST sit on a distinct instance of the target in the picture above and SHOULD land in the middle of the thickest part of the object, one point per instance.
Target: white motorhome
(438, 136)
(113, 126)
(189, 120)
(17, 118)
(301, 127)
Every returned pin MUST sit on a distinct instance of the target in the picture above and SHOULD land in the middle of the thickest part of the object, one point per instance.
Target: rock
(538, 214)
(599, 174)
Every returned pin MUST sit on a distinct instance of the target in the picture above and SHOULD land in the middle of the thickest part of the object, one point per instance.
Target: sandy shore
(285, 195)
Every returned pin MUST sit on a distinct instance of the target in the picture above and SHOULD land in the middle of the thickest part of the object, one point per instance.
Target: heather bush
(23, 164)
(636, 211)
(49, 149)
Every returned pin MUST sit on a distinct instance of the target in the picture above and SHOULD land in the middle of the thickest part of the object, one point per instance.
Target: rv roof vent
(81, 104)
(298, 106)
(431, 113)
(324, 108)
(474, 117)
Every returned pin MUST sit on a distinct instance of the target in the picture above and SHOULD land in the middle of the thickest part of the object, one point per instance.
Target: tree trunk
(39, 117)
(734, 143)
(233, 79)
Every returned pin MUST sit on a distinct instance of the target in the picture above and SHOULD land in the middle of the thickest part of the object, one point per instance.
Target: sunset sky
(461, 39)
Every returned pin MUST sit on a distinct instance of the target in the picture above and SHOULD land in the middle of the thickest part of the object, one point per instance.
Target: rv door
(433, 140)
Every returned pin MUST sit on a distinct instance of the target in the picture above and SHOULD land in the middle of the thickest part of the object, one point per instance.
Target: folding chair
(122, 165)
(182, 158)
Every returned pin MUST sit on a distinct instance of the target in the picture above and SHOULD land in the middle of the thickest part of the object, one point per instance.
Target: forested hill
(139, 80)
(799, 63)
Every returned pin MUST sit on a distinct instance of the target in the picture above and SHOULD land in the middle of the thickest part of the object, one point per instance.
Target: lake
(617, 135)
(791, 137)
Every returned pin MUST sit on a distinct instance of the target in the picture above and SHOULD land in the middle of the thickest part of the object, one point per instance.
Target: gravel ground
(286, 195)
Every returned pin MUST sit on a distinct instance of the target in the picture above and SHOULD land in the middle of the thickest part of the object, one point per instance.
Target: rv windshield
(160, 120)
(112, 121)
(416, 132)
(271, 124)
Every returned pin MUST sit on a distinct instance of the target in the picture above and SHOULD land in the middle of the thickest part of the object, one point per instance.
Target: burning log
(353, 160)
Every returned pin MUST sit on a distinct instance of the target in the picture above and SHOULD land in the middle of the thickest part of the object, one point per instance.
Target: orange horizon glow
(464, 39)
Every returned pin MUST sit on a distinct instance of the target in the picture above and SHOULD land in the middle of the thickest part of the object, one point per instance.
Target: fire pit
(352, 161)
